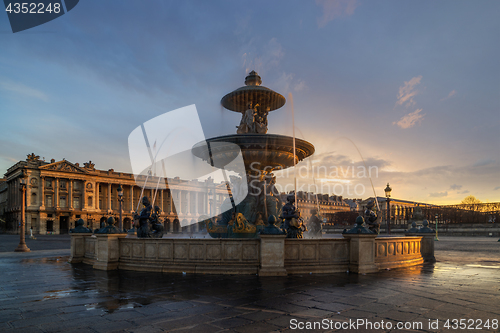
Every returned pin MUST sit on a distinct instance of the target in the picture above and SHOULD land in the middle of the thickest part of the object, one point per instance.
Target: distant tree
(471, 203)
(470, 200)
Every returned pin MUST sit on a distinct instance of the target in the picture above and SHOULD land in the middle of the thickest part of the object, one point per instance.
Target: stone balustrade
(395, 252)
(269, 255)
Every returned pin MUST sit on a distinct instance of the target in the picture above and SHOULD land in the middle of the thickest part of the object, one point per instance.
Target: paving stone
(231, 322)
(77, 298)
(145, 329)
(201, 328)
(357, 314)
(256, 327)
(312, 313)
(33, 321)
(260, 315)
(188, 322)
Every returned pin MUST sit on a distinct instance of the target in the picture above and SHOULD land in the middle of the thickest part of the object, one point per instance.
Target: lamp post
(22, 243)
(436, 238)
(387, 191)
(120, 200)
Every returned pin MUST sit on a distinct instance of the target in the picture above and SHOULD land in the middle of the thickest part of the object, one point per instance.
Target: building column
(188, 199)
(96, 196)
(179, 209)
(83, 196)
(70, 193)
(161, 200)
(171, 203)
(56, 194)
(131, 195)
(195, 210)
(109, 196)
(207, 204)
(42, 194)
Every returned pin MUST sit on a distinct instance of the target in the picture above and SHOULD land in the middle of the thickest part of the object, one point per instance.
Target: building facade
(59, 193)
(401, 211)
(325, 205)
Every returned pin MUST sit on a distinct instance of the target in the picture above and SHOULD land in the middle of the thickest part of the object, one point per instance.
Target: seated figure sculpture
(314, 224)
(253, 120)
(371, 218)
(293, 223)
(148, 221)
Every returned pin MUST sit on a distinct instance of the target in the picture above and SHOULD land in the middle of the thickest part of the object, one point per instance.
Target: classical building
(327, 205)
(59, 193)
(401, 210)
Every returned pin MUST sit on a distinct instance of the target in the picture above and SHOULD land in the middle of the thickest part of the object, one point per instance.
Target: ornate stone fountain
(262, 154)
(270, 254)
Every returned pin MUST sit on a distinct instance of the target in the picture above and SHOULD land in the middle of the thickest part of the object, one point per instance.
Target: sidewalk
(41, 292)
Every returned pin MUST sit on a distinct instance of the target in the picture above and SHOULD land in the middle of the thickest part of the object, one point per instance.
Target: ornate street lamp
(22, 243)
(387, 191)
(119, 190)
(436, 238)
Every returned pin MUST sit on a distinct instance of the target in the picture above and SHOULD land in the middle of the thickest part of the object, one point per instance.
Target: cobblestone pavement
(41, 292)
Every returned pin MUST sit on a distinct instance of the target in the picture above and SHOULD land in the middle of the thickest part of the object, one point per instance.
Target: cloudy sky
(413, 85)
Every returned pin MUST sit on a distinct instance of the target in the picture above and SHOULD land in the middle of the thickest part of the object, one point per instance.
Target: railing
(316, 255)
(394, 252)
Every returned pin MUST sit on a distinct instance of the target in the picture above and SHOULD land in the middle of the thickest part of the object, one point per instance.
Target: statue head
(291, 198)
(145, 201)
(79, 223)
(414, 224)
(370, 204)
(271, 220)
(360, 220)
(111, 220)
(425, 223)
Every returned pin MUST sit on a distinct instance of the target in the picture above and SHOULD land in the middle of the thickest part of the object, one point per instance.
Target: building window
(33, 199)
(62, 184)
(50, 226)
(62, 202)
(100, 204)
(48, 183)
(76, 184)
(48, 201)
(89, 201)
(76, 202)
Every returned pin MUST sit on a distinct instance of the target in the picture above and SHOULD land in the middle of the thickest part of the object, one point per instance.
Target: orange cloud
(410, 119)
(408, 91)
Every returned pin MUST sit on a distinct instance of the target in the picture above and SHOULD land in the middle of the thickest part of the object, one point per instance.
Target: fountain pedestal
(362, 253)
(272, 255)
(108, 251)
(426, 245)
(78, 247)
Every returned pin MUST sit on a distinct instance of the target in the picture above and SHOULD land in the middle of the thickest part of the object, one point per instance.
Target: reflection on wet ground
(44, 292)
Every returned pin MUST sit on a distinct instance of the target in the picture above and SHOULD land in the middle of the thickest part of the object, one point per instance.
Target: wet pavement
(41, 292)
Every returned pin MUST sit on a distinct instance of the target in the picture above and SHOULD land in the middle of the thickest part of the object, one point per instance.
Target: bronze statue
(314, 223)
(149, 226)
(371, 218)
(253, 120)
(79, 228)
(293, 223)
